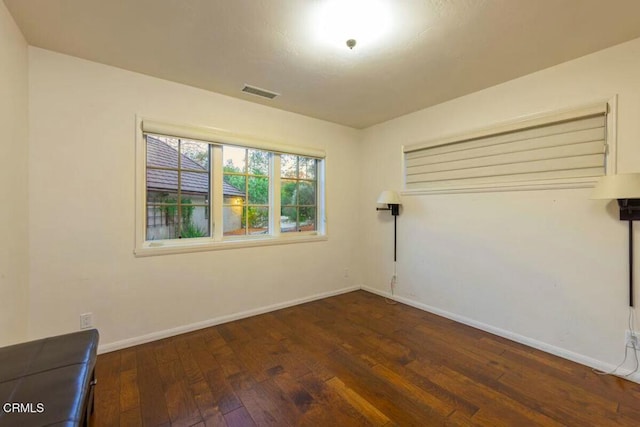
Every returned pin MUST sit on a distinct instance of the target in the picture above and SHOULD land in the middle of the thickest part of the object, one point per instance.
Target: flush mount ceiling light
(353, 22)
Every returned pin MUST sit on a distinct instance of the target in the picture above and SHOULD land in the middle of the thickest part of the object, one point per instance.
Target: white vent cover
(259, 92)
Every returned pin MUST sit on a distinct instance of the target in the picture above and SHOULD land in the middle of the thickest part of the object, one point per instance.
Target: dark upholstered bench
(48, 382)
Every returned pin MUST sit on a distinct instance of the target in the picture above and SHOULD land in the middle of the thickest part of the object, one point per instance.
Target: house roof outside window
(161, 154)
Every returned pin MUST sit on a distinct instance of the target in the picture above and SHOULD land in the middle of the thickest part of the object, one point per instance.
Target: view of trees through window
(246, 179)
(298, 187)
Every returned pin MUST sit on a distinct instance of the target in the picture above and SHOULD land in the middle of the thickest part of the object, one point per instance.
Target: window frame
(218, 139)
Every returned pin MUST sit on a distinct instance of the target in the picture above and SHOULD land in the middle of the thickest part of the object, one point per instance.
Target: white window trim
(610, 166)
(217, 241)
(221, 136)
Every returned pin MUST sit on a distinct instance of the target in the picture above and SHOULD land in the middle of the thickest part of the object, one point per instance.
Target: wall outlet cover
(632, 340)
(86, 320)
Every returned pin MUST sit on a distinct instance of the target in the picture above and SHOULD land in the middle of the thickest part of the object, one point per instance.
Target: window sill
(201, 245)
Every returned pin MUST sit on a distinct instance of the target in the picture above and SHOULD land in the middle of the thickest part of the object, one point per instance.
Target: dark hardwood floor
(348, 360)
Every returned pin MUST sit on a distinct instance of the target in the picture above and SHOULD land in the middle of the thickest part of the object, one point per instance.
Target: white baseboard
(548, 348)
(129, 342)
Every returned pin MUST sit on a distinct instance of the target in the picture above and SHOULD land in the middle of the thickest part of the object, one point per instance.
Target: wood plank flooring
(354, 360)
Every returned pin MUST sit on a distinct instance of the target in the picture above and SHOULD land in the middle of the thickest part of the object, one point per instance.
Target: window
(298, 199)
(246, 172)
(568, 148)
(201, 189)
(177, 190)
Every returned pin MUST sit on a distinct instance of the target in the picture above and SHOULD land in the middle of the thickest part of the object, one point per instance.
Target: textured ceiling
(435, 50)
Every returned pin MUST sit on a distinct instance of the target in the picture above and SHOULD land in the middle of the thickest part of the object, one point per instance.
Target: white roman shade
(213, 135)
(565, 145)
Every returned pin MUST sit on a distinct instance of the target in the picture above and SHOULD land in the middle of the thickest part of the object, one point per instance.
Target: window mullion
(217, 197)
(275, 224)
(179, 201)
(246, 193)
(297, 200)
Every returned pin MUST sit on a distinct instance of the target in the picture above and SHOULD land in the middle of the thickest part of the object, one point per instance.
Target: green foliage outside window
(187, 228)
(293, 193)
(256, 189)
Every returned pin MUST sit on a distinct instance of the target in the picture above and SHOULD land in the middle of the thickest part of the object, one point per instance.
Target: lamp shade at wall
(389, 197)
(622, 186)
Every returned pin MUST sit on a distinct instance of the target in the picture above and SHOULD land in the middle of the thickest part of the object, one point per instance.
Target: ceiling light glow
(362, 20)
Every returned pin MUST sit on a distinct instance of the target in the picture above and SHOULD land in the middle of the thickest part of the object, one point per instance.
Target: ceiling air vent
(259, 92)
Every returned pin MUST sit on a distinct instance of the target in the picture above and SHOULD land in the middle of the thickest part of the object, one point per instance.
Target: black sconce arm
(395, 209)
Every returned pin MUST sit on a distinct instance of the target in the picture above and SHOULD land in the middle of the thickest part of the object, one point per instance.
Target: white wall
(82, 142)
(548, 266)
(14, 267)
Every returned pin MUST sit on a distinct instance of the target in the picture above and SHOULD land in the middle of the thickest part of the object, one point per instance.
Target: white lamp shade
(621, 186)
(389, 197)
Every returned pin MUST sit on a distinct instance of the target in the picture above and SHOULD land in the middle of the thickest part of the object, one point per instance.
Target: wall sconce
(626, 189)
(392, 200)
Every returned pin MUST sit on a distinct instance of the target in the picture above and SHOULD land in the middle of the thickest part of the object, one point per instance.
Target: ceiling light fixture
(359, 22)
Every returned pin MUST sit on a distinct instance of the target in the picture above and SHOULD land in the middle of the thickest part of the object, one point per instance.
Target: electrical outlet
(346, 273)
(632, 340)
(86, 320)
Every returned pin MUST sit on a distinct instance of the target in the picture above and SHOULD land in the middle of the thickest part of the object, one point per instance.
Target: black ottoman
(48, 381)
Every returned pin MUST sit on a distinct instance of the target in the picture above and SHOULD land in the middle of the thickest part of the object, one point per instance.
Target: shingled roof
(161, 154)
